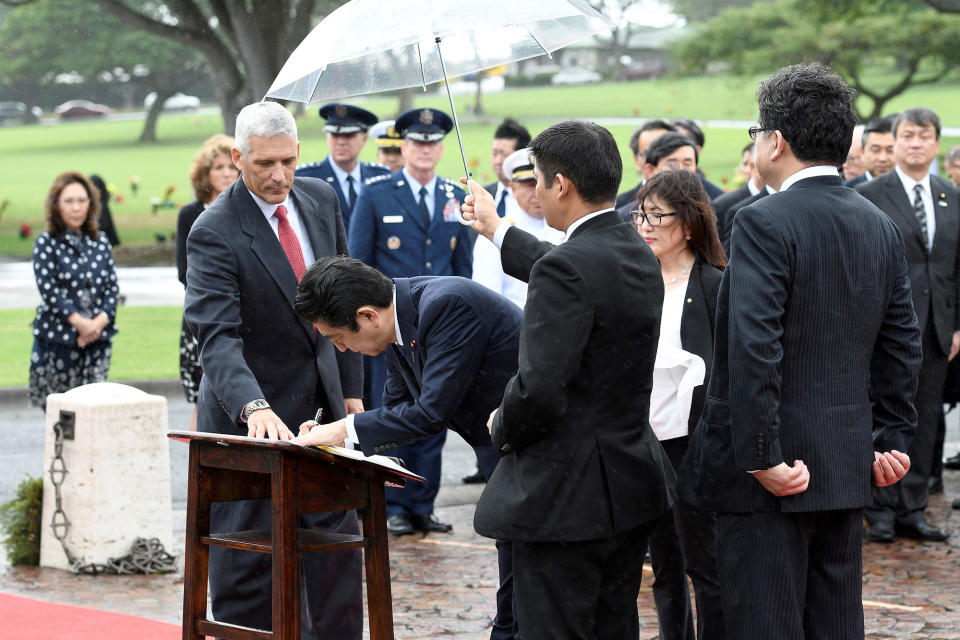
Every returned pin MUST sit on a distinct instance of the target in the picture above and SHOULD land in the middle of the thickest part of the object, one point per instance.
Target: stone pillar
(117, 486)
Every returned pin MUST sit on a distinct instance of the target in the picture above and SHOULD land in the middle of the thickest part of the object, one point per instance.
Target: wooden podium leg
(286, 558)
(377, 563)
(196, 555)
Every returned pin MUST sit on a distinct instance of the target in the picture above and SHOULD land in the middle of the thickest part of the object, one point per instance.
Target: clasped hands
(88, 329)
(782, 480)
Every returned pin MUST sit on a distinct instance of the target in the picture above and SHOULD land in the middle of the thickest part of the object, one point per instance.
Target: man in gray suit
(264, 369)
(815, 366)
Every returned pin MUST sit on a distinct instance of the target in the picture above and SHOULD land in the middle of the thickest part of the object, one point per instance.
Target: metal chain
(146, 556)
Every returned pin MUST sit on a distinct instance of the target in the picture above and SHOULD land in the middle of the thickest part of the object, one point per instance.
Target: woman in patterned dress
(73, 264)
(211, 172)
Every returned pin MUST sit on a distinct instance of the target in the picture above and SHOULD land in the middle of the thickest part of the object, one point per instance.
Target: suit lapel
(317, 226)
(333, 182)
(405, 200)
(901, 205)
(410, 349)
(946, 219)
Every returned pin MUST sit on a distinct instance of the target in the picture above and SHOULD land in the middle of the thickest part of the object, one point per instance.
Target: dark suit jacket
(324, 171)
(239, 303)
(817, 354)
(580, 460)
(628, 197)
(185, 219)
(934, 276)
(854, 182)
(728, 218)
(696, 326)
(722, 203)
(460, 343)
(713, 191)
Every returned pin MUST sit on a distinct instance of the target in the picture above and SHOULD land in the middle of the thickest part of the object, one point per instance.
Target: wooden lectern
(297, 480)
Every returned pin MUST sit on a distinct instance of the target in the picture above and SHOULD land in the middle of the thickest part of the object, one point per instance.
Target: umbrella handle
(456, 124)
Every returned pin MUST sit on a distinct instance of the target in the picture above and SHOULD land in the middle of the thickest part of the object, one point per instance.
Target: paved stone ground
(444, 585)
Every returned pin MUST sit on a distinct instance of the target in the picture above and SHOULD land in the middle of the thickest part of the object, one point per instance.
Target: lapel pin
(413, 344)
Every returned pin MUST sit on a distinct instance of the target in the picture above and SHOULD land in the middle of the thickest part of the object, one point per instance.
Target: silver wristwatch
(256, 405)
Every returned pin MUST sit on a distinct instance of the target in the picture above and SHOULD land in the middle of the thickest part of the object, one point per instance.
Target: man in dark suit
(815, 366)
(582, 479)
(877, 154)
(509, 136)
(751, 187)
(692, 130)
(640, 139)
(405, 225)
(346, 130)
(926, 208)
(263, 367)
(451, 346)
(670, 150)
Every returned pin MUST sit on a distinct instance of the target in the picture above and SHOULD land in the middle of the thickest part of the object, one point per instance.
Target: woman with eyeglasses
(674, 217)
(73, 264)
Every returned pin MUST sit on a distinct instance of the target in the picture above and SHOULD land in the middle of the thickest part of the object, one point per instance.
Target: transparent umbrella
(368, 46)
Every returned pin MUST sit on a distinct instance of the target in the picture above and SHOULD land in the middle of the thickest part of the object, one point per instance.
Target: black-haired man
(877, 150)
(927, 210)
(815, 367)
(640, 139)
(582, 480)
(509, 136)
(692, 130)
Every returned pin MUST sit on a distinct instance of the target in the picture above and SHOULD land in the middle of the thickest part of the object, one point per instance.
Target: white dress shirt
(293, 217)
(342, 179)
(925, 195)
(415, 189)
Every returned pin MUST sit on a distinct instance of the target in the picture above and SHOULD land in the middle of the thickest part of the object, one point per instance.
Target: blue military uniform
(388, 231)
(343, 119)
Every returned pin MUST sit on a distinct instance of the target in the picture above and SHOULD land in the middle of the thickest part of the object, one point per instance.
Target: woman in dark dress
(73, 265)
(674, 217)
(212, 171)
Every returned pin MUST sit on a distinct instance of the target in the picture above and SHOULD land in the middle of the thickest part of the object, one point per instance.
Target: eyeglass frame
(753, 132)
(637, 215)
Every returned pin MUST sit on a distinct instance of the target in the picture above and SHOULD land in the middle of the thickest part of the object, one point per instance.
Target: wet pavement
(444, 585)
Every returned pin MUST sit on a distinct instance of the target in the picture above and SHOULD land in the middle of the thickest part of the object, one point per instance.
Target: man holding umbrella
(346, 130)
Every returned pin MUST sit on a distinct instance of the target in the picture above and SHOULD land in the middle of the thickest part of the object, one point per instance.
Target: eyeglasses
(652, 219)
(753, 132)
(75, 201)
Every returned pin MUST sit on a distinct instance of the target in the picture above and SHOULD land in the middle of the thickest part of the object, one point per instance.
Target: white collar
(396, 318)
(267, 208)
(579, 221)
(342, 175)
(752, 188)
(809, 172)
(909, 183)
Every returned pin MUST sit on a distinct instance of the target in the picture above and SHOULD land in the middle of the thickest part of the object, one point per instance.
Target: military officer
(388, 143)
(405, 225)
(346, 130)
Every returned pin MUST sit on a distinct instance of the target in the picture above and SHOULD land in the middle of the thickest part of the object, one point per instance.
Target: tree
(244, 43)
(42, 40)
(620, 11)
(696, 11)
(912, 48)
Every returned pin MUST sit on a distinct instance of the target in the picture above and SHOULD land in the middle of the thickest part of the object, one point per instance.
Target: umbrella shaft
(453, 110)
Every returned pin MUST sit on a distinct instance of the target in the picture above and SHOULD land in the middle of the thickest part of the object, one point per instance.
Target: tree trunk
(478, 96)
(406, 99)
(149, 133)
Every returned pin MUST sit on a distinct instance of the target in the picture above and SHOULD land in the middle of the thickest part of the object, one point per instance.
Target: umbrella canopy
(368, 46)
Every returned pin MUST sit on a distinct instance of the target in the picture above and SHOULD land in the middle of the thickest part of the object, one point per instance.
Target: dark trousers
(697, 531)
(906, 500)
(579, 590)
(240, 581)
(423, 457)
(671, 592)
(792, 576)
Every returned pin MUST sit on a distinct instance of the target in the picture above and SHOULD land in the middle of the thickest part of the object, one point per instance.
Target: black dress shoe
(474, 478)
(934, 485)
(952, 463)
(428, 523)
(956, 504)
(921, 530)
(399, 525)
(881, 532)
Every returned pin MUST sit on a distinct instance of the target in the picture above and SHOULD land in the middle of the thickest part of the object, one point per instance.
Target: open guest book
(384, 462)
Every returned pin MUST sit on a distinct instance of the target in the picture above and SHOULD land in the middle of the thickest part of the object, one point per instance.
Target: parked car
(176, 102)
(650, 70)
(81, 109)
(18, 113)
(575, 75)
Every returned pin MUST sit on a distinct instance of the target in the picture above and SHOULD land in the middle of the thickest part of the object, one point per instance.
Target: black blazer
(722, 203)
(934, 277)
(185, 219)
(697, 323)
(580, 461)
(627, 198)
(460, 343)
(239, 304)
(817, 354)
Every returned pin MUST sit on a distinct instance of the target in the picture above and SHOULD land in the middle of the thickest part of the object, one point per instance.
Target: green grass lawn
(146, 347)
(30, 157)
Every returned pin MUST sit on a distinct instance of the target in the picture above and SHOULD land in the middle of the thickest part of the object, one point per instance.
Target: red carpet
(28, 619)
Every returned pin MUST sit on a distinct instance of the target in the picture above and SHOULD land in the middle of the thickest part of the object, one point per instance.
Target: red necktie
(289, 242)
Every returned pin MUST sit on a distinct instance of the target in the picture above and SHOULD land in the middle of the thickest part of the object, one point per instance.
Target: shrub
(20, 522)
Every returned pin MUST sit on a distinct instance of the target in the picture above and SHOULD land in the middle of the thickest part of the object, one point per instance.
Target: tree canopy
(880, 53)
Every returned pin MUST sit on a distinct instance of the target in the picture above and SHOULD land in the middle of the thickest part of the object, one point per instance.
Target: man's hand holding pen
(314, 434)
